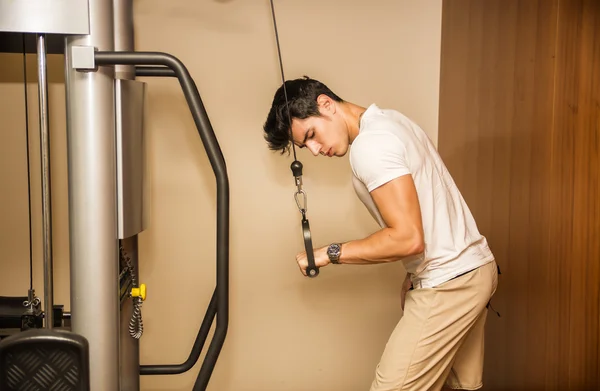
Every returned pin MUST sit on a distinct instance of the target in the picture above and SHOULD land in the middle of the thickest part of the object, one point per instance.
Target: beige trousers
(440, 338)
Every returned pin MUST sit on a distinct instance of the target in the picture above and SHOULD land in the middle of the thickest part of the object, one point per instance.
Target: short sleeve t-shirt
(390, 145)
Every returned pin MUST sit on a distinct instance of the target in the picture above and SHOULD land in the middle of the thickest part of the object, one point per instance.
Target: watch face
(334, 249)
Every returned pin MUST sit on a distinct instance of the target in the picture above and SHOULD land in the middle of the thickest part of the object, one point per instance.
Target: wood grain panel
(576, 98)
(561, 213)
(519, 130)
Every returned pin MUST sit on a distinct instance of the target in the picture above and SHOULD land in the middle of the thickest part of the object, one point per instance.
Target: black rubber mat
(41, 360)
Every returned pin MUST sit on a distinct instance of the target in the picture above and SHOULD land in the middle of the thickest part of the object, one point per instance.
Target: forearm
(383, 246)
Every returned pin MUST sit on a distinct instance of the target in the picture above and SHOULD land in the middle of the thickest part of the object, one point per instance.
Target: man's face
(325, 135)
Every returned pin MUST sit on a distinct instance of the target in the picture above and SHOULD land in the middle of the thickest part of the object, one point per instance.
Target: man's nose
(313, 147)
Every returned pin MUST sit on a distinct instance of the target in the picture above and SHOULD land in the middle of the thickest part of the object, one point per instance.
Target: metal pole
(94, 246)
(124, 35)
(46, 188)
(129, 346)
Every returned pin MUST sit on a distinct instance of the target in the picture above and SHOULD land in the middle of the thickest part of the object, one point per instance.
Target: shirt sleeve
(377, 158)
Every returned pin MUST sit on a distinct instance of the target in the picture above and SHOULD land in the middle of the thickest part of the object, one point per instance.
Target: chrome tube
(124, 35)
(94, 249)
(129, 346)
(46, 187)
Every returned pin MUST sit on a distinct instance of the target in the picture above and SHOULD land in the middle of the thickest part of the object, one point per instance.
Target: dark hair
(302, 96)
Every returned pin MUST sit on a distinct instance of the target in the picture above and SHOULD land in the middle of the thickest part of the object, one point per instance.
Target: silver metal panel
(94, 249)
(45, 16)
(129, 97)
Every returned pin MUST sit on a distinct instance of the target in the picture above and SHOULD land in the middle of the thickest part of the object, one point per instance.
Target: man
(425, 224)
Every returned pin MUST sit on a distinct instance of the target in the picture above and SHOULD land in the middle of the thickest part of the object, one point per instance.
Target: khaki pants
(440, 338)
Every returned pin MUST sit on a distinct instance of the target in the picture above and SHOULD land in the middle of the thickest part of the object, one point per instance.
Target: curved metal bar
(192, 359)
(217, 162)
(154, 71)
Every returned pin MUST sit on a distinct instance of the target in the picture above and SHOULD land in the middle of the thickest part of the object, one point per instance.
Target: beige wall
(286, 332)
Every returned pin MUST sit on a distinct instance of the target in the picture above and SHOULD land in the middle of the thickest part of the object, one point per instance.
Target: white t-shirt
(390, 145)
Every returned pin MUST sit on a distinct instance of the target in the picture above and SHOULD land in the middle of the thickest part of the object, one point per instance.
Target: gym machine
(95, 346)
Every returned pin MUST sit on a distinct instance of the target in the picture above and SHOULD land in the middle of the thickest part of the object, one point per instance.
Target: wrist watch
(334, 251)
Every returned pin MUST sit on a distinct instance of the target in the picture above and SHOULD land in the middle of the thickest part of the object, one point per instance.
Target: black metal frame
(165, 65)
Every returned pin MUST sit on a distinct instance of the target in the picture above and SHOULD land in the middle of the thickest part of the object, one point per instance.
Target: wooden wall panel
(576, 142)
(519, 131)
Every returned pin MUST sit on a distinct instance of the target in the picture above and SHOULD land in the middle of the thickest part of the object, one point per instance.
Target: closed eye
(310, 133)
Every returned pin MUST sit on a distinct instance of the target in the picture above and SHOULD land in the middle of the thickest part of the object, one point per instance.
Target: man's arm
(398, 204)
(377, 156)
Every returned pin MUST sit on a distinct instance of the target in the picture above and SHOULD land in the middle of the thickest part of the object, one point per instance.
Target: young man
(425, 224)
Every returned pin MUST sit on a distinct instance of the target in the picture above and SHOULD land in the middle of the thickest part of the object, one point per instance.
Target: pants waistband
(419, 285)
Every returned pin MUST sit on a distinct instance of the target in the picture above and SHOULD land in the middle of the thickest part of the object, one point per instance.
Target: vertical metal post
(124, 35)
(129, 346)
(46, 187)
(94, 246)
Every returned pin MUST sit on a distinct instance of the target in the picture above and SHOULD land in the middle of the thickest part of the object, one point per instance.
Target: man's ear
(326, 104)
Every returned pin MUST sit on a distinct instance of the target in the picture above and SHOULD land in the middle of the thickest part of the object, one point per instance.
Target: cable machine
(95, 346)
